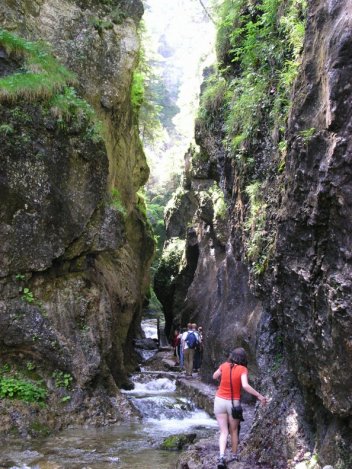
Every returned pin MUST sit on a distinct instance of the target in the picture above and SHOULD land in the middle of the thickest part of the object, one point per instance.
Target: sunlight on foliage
(212, 98)
(42, 74)
(259, 45)
(171, 260)
(143, 97)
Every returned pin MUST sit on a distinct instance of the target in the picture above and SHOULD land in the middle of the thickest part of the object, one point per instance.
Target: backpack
(191, 340)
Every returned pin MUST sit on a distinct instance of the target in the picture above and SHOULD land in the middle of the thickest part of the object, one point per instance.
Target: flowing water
(131, 445)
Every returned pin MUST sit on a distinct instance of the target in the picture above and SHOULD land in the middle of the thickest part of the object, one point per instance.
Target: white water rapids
(130, 445)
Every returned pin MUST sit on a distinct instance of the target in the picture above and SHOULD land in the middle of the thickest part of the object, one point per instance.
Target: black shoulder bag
(236, 411)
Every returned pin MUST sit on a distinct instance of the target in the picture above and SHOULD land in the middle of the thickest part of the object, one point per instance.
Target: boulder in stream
(177, 442)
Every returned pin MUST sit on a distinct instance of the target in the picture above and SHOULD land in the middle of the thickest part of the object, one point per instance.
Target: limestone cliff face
(74, 245)
(311, 276)
(290, 308)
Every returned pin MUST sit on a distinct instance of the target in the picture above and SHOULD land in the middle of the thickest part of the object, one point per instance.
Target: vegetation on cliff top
(42, 77)
(143, 96)
(259, 49)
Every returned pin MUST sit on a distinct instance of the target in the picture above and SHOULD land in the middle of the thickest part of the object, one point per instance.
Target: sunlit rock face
(82, 258)
(295, 317)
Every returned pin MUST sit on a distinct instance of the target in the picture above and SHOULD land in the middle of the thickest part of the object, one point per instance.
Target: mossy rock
(178, 442)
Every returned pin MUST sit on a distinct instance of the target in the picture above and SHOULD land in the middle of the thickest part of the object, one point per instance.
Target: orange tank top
(224, 390)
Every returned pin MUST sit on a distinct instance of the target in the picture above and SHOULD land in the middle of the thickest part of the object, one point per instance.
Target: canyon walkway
(204, 452)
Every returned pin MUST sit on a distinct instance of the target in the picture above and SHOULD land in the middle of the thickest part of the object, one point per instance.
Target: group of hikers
(233, 377)
(188, 348)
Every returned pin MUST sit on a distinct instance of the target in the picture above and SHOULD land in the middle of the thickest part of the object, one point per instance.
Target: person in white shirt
(189, 344)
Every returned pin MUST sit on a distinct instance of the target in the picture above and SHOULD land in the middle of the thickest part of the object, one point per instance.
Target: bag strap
(231, 384)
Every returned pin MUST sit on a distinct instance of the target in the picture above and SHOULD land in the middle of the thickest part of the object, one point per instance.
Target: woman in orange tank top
(228, 391)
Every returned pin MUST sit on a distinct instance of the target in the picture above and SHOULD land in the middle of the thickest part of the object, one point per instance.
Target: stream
(164, 412)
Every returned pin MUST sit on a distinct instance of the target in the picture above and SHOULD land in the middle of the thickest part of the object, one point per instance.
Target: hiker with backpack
(198, 354)
(227, 406)
(190, 340)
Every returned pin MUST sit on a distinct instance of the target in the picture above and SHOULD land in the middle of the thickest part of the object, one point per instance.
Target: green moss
(68, 108)
(137, 90)
(39, 429)
(154, 306)
(101, 24)
(307, 134)
(20, 115)
(219, 204)
(213, 97)
(42, 75)
(141, 203)
(177, 442)
(116, 201)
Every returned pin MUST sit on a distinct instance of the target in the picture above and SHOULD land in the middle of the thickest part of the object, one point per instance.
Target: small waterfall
(150, 328)
(164, 410)
(153, 328)
(129, 445)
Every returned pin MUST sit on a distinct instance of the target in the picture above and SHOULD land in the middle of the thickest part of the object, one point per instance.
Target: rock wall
(291, 311)
(311, 276)
(75, 246)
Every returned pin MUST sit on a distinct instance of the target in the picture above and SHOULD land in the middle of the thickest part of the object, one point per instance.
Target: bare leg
(224, 431)
(234, 433)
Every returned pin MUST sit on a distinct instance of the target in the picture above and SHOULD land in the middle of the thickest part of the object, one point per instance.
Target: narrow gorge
(257, 234)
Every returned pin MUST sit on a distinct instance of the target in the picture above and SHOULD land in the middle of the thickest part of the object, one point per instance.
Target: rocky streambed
(173, 428)
(203, 452)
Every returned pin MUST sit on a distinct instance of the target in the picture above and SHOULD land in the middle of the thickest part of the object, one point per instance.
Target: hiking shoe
(234, 457)
(222, 463)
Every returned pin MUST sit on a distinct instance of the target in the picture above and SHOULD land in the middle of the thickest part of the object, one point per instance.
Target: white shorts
(224, 406)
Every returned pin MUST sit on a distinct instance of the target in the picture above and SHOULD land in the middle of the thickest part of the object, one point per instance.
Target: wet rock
(200, 393)
(170, 365)
(177, 442)
(146, 344)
